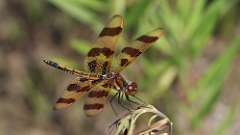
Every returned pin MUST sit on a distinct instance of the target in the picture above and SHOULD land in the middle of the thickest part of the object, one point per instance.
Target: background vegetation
(192, 75)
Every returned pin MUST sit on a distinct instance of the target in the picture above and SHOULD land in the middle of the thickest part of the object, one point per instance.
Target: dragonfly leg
(111, 103)
(121, 101)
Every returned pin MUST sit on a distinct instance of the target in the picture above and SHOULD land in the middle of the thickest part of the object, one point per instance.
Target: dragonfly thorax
(131, 88)
(120, 83)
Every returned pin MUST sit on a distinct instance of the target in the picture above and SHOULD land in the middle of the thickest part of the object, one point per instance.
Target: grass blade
(79, 12)
(208, 89)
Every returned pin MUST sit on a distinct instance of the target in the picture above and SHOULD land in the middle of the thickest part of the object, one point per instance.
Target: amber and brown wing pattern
(77, 88)
(99, 58)
(96, 99)
(132, 51)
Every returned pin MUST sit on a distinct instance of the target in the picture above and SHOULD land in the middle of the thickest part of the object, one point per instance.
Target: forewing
(96, 99)
(99, 58)
(132, 51)
(77, 88)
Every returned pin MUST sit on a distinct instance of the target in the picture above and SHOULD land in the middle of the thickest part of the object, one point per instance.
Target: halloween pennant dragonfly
(100, 78)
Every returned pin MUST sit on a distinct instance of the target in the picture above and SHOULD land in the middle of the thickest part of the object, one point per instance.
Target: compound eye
(132, 88)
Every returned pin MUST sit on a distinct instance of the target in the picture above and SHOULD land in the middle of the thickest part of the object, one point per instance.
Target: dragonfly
(100, 76)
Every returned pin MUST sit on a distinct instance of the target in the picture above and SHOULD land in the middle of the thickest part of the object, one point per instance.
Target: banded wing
(77, 88)
(99, 58)
(96, 99)
(142, 43)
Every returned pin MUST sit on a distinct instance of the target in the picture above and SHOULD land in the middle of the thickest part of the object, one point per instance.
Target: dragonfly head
(131, 88)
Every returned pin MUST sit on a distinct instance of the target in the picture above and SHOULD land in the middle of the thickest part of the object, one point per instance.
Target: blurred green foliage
(189, 26)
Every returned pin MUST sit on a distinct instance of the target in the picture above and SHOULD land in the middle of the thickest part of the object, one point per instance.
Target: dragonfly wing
(96, 99)
(77, 88)
(99, 58)
(132, 51)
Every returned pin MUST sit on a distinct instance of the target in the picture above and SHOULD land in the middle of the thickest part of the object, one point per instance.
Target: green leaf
(97, 5)
(184, 9)
(135, 12)
(194, 19)
(160, 84)
(205, 28)
(79, 12)
(81, 46)
(228, 121)
(118, 7)
(208, 88)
